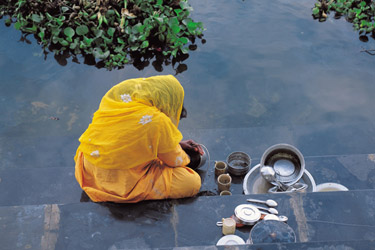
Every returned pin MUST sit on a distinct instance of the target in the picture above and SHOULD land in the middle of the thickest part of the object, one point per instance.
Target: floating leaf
(64, 9)
(64, 42)
(315, 11)
(41, 34)
(32, 29)
(36, 18)
(183, 40)
(17, 25)
(82, 30)
(192, 26)
(111, 31)
(144, 44)
(88, 41)
(69, 32)
(176, 29)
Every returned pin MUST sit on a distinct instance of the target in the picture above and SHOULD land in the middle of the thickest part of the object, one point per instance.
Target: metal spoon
(270, 210)
(270, 203)
(269, 174)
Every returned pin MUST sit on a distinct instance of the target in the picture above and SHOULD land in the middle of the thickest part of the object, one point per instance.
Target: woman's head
(164, 92)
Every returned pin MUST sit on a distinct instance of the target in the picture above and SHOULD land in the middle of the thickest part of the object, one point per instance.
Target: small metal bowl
(286, 160)
(238, 163)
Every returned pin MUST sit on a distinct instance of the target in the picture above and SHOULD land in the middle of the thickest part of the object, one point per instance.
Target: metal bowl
(238, 163)
(286, 160)
(254, 183)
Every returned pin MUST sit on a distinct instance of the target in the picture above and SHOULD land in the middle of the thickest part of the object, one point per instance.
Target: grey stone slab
(28, 151)
(315, 217)
(22, 227)
(335, 139)
(48, 185)
(30, 186)
(352, 171)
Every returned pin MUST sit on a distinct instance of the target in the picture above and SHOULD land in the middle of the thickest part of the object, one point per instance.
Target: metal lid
(247, 213)
(230, 240)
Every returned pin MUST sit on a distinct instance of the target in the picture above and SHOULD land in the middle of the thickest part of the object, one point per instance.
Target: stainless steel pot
(247, 214)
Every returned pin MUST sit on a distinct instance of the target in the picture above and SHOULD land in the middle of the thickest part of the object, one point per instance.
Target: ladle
(270, 203)
(270, 210)
(269, 174)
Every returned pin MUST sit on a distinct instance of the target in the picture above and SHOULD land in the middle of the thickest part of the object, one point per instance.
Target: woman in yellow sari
(132, 150)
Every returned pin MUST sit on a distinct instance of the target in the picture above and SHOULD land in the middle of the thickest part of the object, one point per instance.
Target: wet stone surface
(337, 216)
(252, 85)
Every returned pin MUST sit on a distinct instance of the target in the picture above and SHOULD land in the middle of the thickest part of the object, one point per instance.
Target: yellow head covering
(136, 120)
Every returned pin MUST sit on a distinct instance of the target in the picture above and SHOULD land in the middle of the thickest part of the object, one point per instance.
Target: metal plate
(247, 214)
(254, 183)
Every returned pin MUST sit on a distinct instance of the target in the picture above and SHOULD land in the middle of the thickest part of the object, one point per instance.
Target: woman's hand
(190, 145)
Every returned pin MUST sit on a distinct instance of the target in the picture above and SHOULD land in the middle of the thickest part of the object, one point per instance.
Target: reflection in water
(139, 60)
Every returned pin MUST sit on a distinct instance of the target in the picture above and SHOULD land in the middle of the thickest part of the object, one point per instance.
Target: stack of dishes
(238, 163)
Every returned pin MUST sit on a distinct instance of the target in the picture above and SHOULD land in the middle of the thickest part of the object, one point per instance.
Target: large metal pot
(286, 160)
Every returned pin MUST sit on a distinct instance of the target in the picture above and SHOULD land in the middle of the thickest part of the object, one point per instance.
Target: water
(268, 73)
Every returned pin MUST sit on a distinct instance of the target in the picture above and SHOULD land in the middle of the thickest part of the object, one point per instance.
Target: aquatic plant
(359, 12)
(112, 33)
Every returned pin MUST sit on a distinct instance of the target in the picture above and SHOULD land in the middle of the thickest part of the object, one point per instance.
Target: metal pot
(286, 160)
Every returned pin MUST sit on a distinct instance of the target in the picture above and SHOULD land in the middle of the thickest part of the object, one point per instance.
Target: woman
(132, 150)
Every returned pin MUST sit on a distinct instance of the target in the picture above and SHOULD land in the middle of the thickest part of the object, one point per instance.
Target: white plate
(228, 240)
(330, 186)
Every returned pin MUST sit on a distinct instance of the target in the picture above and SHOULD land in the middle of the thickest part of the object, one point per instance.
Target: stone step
(37, 150)
(321, 245)
(49, 185)
(315, 217)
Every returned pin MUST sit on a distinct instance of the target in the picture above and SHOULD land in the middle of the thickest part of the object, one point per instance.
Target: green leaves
(82, 30)
(316, 10)
(69, 32)
(360, 13)
(36, 18)
(110, 32)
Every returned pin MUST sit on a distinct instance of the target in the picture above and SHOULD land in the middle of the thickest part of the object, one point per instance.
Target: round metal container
(271, 231)
(238, 163)
(254, 183)
(286, 160)
(230, 240)
(247, 214)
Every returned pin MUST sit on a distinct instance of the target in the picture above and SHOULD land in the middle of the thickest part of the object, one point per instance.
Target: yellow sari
(130, 152)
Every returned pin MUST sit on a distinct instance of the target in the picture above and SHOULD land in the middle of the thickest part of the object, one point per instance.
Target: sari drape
(128, 152)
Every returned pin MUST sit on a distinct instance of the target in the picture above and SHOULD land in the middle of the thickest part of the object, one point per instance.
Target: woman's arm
(175, 158)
